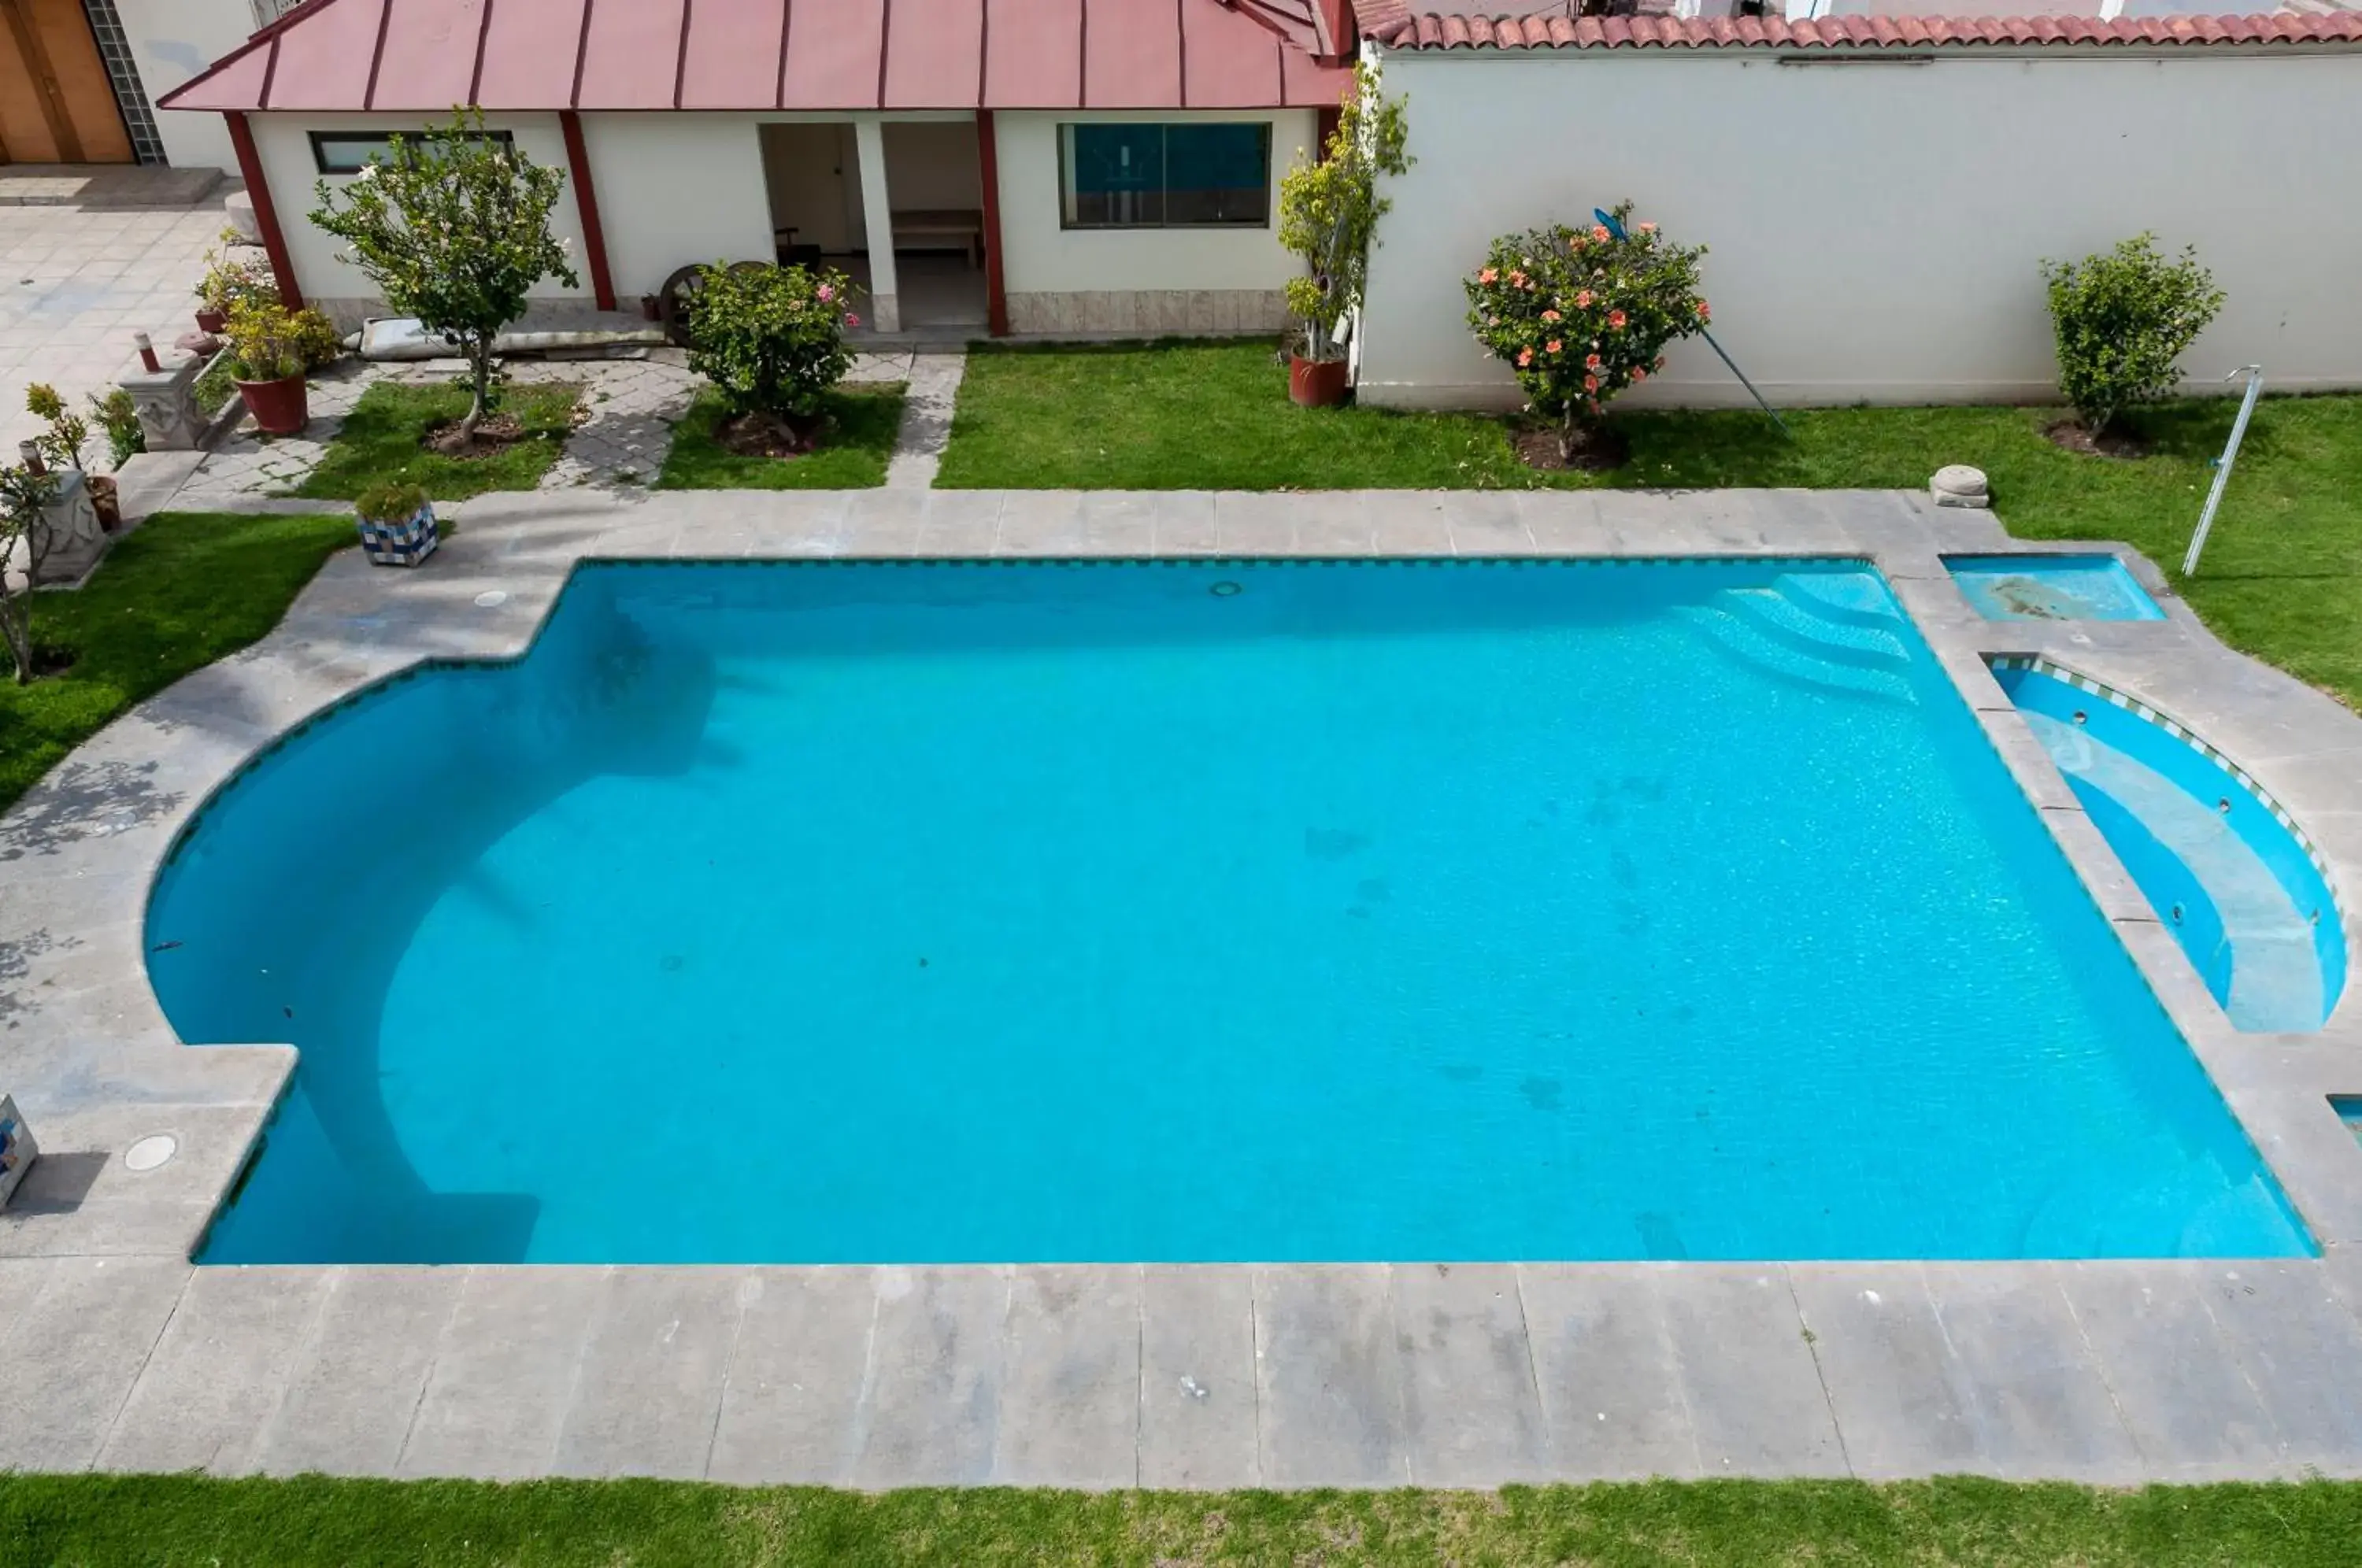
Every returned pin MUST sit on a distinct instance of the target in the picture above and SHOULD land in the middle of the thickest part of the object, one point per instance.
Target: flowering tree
(1582, 313)
(1329, 213)
(24, 493)
(772, 341)
(454, 229)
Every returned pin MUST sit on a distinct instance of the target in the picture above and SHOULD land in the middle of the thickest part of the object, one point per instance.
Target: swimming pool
(1187, 911)
(2051, 588)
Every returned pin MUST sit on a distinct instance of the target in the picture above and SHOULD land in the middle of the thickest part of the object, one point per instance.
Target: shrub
(267, 340)
(390, 501)
(1328, 213)
(61, 444)
(120, 417)
(2122, 319)
(772, 341)
(454, 229)
(1581, 314)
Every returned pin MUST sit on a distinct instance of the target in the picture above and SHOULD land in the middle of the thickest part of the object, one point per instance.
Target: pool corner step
(1823, 635)
(1855, 598)
(1744, 640)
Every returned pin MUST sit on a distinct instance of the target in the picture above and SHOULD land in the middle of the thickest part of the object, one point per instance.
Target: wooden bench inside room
(931, 228)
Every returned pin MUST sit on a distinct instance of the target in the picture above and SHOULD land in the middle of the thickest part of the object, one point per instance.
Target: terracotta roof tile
(1397, 29)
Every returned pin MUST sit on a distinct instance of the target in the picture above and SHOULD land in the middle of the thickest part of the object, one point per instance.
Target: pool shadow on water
(294, 927)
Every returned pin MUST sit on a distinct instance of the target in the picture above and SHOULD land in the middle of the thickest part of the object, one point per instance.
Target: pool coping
(1109, 1375)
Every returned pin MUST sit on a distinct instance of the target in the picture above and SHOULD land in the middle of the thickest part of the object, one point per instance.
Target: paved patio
(83, 265)
(122, 1356)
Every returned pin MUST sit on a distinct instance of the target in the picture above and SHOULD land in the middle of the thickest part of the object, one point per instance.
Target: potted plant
(227, 283)
(267, 348)
(1328, 212)
(397, 524)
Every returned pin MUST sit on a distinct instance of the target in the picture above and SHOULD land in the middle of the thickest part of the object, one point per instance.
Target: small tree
(454, 229)
(24, 493)
(1328, 213)
(2122, 319)
(772, 341)
(1582, 313)
(61, 445)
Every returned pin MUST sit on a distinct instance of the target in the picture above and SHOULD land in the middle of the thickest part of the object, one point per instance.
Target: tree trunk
(1566, 429)
(15, 624)
(480, 362)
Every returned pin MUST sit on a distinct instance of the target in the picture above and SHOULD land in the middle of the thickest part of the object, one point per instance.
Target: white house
(1020, 166)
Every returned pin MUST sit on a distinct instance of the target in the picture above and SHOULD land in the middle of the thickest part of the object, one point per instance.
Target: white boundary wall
(172, 40)
(1876, 227)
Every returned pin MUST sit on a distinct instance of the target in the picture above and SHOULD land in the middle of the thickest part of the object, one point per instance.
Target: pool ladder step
(1855, 598)
(1816, 631)
(1742, 637)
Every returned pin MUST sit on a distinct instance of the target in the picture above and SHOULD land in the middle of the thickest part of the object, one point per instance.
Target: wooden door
(56, 104)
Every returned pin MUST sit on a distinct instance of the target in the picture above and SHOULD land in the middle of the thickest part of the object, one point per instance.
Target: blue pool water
(2051, 588)
(1187, 911)
(2236, 889)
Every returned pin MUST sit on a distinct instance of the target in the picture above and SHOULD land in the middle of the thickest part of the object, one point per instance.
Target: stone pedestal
(17, 1150)
(75, 541)
(1957, 484)
(240, 208)
(166, 401)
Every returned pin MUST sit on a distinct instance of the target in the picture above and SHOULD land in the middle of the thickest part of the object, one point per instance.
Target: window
(1184, 176)
(345, 153)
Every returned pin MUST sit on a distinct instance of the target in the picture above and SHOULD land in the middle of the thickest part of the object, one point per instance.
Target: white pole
(2255, 374)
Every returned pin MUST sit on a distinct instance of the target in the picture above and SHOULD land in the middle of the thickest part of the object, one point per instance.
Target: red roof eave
(1443, 32)
(765, 55)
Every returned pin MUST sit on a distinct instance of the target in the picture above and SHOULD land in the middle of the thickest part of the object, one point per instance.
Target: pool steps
(1838, 631)
(2077, 1218)
(2276, 982)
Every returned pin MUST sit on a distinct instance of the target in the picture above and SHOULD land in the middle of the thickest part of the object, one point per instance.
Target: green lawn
(381, 441)
(2283, 578)
(853, 455)
(181, 593)
(166, 1521)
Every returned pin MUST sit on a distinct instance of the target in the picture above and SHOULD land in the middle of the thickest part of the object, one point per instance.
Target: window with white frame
(1194, 175)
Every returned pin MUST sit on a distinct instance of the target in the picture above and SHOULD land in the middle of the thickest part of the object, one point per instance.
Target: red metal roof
(1433, 30)
(424, 56)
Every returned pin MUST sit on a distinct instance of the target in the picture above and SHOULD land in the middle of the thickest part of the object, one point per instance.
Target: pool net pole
(2255, 374)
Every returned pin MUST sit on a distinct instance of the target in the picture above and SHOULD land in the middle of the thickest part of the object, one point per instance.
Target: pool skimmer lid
(490, 599)
(150, 1152)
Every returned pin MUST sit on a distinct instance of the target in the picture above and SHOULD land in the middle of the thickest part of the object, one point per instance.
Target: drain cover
(490, 599)
(150, 1152)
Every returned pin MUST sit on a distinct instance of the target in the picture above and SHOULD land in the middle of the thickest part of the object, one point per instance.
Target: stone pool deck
(119, 1353)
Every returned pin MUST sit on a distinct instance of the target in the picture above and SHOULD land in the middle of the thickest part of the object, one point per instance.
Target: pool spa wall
(2265, 991)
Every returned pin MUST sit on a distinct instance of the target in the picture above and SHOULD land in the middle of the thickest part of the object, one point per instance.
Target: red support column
(266, 216)
(585, 198)
(996, 282)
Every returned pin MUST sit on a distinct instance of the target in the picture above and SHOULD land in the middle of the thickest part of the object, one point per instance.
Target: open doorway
(935, 193)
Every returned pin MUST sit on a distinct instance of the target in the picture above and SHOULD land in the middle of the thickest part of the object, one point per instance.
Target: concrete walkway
(121, 1354)
(926, 429)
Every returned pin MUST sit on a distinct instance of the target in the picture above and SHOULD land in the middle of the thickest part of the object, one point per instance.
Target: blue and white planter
(405, 543)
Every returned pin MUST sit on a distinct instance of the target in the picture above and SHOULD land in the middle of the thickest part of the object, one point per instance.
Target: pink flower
(1647, 227)
(1591, 384)
(1616, 319)
(1582, 300)
(1525, 357)
(1552, 347)
(1492, 321)
(851, 319)
(1639, 375)
(825, 291)
(1704, 314)
(1599, 232)
(1488, 275)
(1592, 363)
(1550, 315)
(1516, 279)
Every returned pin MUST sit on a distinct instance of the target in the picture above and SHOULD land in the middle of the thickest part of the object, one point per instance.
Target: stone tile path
(77, 281)
(934, 383)
(120, 1354)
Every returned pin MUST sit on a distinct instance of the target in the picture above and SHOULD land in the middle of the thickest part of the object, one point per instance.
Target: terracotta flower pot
(279, 407)
(106, 500)
(211, 322)
(1316, 383)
